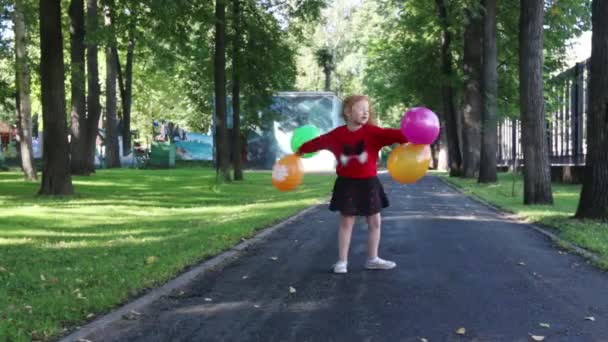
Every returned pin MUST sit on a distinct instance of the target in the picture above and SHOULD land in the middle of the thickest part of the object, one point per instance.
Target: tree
(594, 193)
(24, 106)
(56, 177)
(111, 139)
(489, 140)
(325, 60)
(236, 92)
(403, 62)
(447, 91)
(77, 51)
(221, 134)
(537, 177)
(93, 104)
(125, 83)
(471, 135)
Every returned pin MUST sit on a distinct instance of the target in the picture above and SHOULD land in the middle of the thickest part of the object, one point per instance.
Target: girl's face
(359, 113)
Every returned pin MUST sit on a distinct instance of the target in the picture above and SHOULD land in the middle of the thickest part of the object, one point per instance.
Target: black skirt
(358, 197)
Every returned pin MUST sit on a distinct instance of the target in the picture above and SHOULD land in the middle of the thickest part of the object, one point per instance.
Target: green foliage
(325, 59)
(267, 59)
(175, 46)
(7, 65)
(339, 36)
(172, 76)
(404, 60)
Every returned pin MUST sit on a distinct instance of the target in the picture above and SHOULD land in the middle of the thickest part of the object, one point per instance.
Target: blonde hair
(350, 101)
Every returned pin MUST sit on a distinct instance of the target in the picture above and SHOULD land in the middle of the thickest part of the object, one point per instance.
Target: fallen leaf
(545, 325)
(54, 280)
(132, 315)
(176, 294)
(292, 290)
(461, 331)
(151, 259)
(537, 337)
(274, 258)
(590, 318)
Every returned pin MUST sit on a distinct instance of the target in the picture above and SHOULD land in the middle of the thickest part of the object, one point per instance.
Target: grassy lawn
(64, 260)
(589, 234)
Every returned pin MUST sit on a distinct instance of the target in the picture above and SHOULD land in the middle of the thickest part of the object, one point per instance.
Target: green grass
(589, 234)
(63, 260)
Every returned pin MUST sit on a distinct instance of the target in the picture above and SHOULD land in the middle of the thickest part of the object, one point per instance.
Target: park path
(460, 265)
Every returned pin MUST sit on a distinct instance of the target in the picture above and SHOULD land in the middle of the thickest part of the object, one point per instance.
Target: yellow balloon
(408, 163)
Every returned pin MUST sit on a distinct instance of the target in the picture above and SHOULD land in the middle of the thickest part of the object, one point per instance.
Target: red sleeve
(388, 136)
(321, 142)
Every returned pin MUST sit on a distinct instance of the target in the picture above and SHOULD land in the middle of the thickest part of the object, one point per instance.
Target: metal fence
(566, 103)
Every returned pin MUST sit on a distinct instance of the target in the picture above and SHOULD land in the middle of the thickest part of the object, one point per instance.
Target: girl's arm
(321, 142)
(388, 136)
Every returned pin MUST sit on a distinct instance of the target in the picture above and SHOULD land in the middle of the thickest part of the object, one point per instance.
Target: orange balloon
(409, 162)
(287, 173)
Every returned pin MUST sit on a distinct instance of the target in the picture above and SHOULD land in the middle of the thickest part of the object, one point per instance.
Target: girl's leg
(373, 236)
(373, 242)
(344, 233)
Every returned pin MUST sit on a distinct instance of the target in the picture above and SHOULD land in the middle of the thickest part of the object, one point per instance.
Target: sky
(580, 49)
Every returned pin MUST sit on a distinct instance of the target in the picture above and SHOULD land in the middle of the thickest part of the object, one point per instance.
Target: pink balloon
(420, 125)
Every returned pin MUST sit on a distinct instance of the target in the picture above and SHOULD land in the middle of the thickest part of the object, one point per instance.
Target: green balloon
(301, 135)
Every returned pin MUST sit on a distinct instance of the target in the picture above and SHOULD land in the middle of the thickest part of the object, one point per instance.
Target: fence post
(514, 143)
(577, 112)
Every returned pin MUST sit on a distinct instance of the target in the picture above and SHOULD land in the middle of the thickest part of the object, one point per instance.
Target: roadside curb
(516, 218)
(180, 281)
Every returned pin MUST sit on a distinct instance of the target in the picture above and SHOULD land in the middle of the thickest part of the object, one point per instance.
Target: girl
(357, 191)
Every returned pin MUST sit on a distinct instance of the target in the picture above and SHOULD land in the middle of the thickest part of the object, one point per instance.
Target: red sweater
(356, 152)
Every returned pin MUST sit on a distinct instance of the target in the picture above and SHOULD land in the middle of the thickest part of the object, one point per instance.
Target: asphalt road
(459, 265)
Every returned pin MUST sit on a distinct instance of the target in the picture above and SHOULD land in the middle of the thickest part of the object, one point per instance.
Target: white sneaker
(379, 264)
(340, 267)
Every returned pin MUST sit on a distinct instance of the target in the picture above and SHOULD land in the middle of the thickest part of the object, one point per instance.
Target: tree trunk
(223, 153)
(93, 105)
(56, 177)
(236, 105)
(537, 177)
(447, 92)
(327, 72)
(112, 148)
(78, 129)
(125, 86)
(489, 83)
(594, 194)
(441, 150)
(24, 106)
(471, 132)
